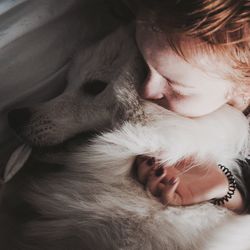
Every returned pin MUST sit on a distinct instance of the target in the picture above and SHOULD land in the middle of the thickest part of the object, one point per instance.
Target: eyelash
(177, 93)
(170, 83)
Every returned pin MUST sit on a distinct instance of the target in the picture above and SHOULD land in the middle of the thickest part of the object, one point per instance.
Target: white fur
(95, 203)
(218, 137)
(232, 235)
(172, 137)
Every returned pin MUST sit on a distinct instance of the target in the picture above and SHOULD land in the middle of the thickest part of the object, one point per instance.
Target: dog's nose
(18, 118)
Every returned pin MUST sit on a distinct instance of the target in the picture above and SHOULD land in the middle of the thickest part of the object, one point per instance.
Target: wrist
(232, 199)
(236, 204)
(231, 186)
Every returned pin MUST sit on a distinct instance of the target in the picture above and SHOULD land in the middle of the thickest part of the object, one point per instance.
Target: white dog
(93, 201)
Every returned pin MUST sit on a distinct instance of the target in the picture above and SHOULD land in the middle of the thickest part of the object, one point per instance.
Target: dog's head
(101, 93)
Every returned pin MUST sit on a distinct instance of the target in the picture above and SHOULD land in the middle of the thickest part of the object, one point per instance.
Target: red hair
(222, 25)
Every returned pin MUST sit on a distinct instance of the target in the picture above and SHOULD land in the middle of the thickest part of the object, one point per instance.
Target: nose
(18, 118)
(153, 87)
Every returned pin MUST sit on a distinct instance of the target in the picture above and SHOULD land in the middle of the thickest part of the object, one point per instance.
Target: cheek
(183, 106)
(194, 106)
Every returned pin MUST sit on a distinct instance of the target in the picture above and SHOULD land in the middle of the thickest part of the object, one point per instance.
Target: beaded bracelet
(231, 186)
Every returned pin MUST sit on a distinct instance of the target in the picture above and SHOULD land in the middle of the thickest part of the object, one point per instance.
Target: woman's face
(175, 83)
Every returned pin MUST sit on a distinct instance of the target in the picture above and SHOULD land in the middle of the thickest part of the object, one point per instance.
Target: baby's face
(178, 85)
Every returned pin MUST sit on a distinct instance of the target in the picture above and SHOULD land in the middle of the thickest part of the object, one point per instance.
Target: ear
(239, 97)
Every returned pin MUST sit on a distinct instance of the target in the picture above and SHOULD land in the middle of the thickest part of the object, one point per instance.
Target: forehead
(189, 53)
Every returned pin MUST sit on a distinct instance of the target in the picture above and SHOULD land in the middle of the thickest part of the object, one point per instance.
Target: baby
(198, 57)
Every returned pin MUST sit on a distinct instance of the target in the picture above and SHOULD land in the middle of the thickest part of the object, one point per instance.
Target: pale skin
(190, 90)
(184, 183)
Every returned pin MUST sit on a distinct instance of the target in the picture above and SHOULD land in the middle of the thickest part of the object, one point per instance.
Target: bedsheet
(38, 38)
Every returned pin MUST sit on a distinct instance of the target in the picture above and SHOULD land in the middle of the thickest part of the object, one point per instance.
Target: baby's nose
(153, 88)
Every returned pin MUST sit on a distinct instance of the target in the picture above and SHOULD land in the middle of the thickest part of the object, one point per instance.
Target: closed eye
(180, 89)
(178, 85)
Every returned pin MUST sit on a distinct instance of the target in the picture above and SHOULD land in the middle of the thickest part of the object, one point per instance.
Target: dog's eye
(94, 87)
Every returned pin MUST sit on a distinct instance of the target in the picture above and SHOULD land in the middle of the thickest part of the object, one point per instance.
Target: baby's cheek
(179, 105)
(191, 107)
(196, 105)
